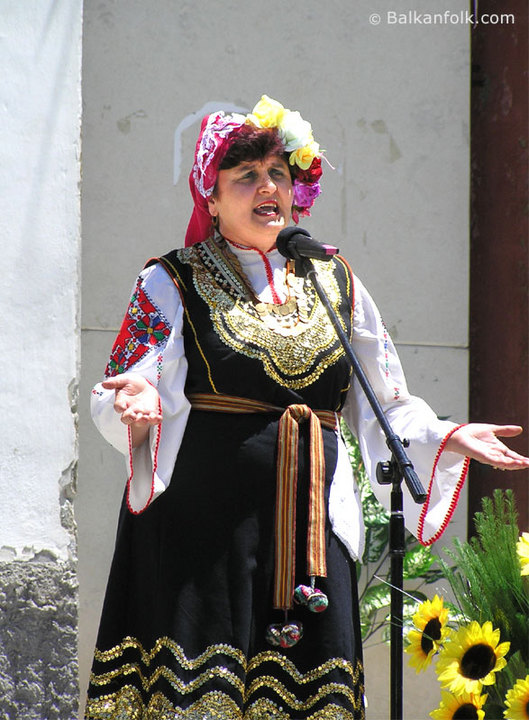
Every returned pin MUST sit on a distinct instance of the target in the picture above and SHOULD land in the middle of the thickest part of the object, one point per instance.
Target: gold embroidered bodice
(294, 342)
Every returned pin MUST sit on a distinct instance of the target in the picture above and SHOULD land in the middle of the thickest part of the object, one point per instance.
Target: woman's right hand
(138, 403)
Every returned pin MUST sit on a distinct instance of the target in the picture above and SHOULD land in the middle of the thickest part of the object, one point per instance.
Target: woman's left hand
(480, 441)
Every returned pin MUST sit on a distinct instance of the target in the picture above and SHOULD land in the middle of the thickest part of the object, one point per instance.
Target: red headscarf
(213, 142)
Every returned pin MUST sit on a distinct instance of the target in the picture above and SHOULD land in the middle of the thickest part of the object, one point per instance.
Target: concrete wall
(40, 56)
(389, 103)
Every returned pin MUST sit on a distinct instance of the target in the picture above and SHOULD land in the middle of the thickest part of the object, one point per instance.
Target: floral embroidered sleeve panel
(441, 472)
(144, 329)
(150, 343)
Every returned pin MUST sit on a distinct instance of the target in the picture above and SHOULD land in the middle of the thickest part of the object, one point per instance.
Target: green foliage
(373, 571)
(417, 562)
(484, 575)
(487, 584)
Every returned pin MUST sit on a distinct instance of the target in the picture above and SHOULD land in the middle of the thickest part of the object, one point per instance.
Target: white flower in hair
(294, 131)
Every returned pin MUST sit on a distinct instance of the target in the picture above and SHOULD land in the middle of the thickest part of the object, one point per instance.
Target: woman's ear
(212, 206)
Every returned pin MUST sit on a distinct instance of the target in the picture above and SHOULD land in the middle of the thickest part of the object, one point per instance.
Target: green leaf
(375, 598)
(417, 561)
(376, 543)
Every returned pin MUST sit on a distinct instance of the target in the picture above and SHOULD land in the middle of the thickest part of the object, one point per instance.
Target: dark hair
(252, 143)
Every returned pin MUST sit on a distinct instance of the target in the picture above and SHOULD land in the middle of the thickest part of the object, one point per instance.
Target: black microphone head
(285, 236)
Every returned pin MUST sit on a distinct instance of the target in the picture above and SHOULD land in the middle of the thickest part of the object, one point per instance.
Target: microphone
(295, 243)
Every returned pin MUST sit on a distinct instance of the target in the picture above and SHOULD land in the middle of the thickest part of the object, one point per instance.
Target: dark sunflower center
(478, 661)
(466, 712)
(432, 631)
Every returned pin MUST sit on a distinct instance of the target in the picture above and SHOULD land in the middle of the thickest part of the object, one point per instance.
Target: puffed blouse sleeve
(149, 343)
(442, 473)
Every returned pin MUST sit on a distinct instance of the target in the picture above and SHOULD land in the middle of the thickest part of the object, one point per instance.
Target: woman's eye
(277, 172)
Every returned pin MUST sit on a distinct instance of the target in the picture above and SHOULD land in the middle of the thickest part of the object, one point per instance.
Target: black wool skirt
(183, 633)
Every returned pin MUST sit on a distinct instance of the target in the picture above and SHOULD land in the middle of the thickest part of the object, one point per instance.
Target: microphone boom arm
(393, 441)
(392, 473)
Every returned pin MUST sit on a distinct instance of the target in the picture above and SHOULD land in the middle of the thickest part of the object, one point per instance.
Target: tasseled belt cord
(287, 473)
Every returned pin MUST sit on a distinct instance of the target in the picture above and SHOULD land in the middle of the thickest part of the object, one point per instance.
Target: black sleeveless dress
(190, 595)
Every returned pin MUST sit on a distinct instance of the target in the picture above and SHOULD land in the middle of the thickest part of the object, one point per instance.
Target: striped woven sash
(287, 475)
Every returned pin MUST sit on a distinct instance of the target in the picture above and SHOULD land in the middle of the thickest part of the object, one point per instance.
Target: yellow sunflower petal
(429, 610)
(522, 549)
(430, 622)
(450, 704)
(421, 654)
(471, 658)
(517, 700)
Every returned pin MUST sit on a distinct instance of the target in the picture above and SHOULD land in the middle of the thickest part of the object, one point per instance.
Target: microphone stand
(392, 472)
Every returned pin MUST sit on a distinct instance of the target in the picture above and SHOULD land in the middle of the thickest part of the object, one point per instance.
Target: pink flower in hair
(305, 194)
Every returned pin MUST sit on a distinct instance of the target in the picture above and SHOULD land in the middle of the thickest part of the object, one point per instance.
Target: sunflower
(469, 659)
(431, 622)
(517, 699)
(461, 707)
(522, 548)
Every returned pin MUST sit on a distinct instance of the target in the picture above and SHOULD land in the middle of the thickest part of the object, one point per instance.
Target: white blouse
(164, 364)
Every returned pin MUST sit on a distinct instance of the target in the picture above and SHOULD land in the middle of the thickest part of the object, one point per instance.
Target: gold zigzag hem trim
(186, 663)
(268, 682)
(126, 704)
(167, 643)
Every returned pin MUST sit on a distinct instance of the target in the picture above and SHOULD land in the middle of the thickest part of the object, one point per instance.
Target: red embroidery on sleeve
(455, 496)
(143, 328)
(158, 429)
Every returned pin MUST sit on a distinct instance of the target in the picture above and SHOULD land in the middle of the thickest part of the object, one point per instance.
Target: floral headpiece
(296, 136)
(217, 131)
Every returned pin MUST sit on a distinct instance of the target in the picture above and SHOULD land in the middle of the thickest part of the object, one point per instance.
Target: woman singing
(232, 593)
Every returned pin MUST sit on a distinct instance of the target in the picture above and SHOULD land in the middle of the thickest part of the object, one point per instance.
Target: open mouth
(267, 209)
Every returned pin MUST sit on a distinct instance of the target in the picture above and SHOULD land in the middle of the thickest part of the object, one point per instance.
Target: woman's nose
(266, 184)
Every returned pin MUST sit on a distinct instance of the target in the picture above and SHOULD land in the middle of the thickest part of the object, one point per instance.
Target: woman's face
(253, 201)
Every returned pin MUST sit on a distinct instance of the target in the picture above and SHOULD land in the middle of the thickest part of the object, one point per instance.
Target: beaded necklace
(277, 316)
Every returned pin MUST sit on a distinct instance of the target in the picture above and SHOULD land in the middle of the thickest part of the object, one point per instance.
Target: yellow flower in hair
(431, 622)
(304, 156)
(522, 549)
(466, 705)
(517, 700)
(267, 113)
(471, 658)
